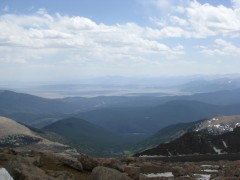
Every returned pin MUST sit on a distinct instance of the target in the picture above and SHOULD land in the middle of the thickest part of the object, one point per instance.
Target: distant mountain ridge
(150, 119)
(11, 102)
(39, 112)
(218, 84)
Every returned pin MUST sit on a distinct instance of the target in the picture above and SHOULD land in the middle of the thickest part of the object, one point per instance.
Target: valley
(130, 137)
(113, 126)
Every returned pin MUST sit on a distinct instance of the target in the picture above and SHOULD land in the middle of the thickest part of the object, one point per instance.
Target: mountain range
(117, 125)
(148, 120)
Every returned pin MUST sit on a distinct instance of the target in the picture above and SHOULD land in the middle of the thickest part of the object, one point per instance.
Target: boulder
(61, 175)
(112, 163)
(38, 161)
(104, 173)
(132, 171)
(23, 168)
(179, 171)
(88, 163)
(72, 163)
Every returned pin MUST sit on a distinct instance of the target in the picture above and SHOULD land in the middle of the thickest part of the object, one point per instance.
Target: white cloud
(236, 4)
(221, 47)
(178, 21)
(207, 20)
(41, 35)
(200, 20)
(81, 45)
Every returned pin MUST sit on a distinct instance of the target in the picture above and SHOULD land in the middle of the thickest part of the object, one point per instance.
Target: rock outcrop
(104, 173)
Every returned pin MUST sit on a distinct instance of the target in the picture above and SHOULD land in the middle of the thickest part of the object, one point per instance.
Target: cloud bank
(43, 40)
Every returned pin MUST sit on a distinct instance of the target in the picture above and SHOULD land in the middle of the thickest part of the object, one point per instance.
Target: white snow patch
(210, 170)
(4, 175)
(150, 156)
(225, 144)
(217, 150)
(237, 125)
(170, 154)
(203, 176)
(210, 166)
(217, 125)
(165, 174)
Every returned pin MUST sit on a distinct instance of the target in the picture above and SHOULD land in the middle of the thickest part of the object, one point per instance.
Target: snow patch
(170, 154)
(152, 156)
(224, 143)
(217, 150)
(165, 174)
(210, 166)
(4, 175)
(210, 170)
(237, 125)
(203, 176)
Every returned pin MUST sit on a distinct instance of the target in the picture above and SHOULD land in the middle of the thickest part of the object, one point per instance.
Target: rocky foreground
(31, 165)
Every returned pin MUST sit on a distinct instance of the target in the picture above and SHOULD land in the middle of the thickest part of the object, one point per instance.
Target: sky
(69, 40)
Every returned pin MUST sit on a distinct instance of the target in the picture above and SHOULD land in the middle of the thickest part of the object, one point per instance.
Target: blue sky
(69, 40)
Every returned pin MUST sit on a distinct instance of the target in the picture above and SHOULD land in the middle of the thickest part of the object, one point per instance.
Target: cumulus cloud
(221, 47)
(41, 35)
(198, 20)
(42, 39)
(236, 4)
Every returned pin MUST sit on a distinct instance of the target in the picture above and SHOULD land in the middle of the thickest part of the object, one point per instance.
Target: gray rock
(23, 168)
(38, 161)
(132, 171)
(88, 163)
(112, 163)
(72, 163)
(61, 175)
(104, 173)
(3, 157)
(179, 171)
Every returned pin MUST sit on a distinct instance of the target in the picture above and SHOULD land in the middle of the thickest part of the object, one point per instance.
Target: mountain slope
(15, 135)
(218, 125)
(214, 126)
(164, 135)
(11, 102)
(87, 137)
(200, 143)
(10, 127)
